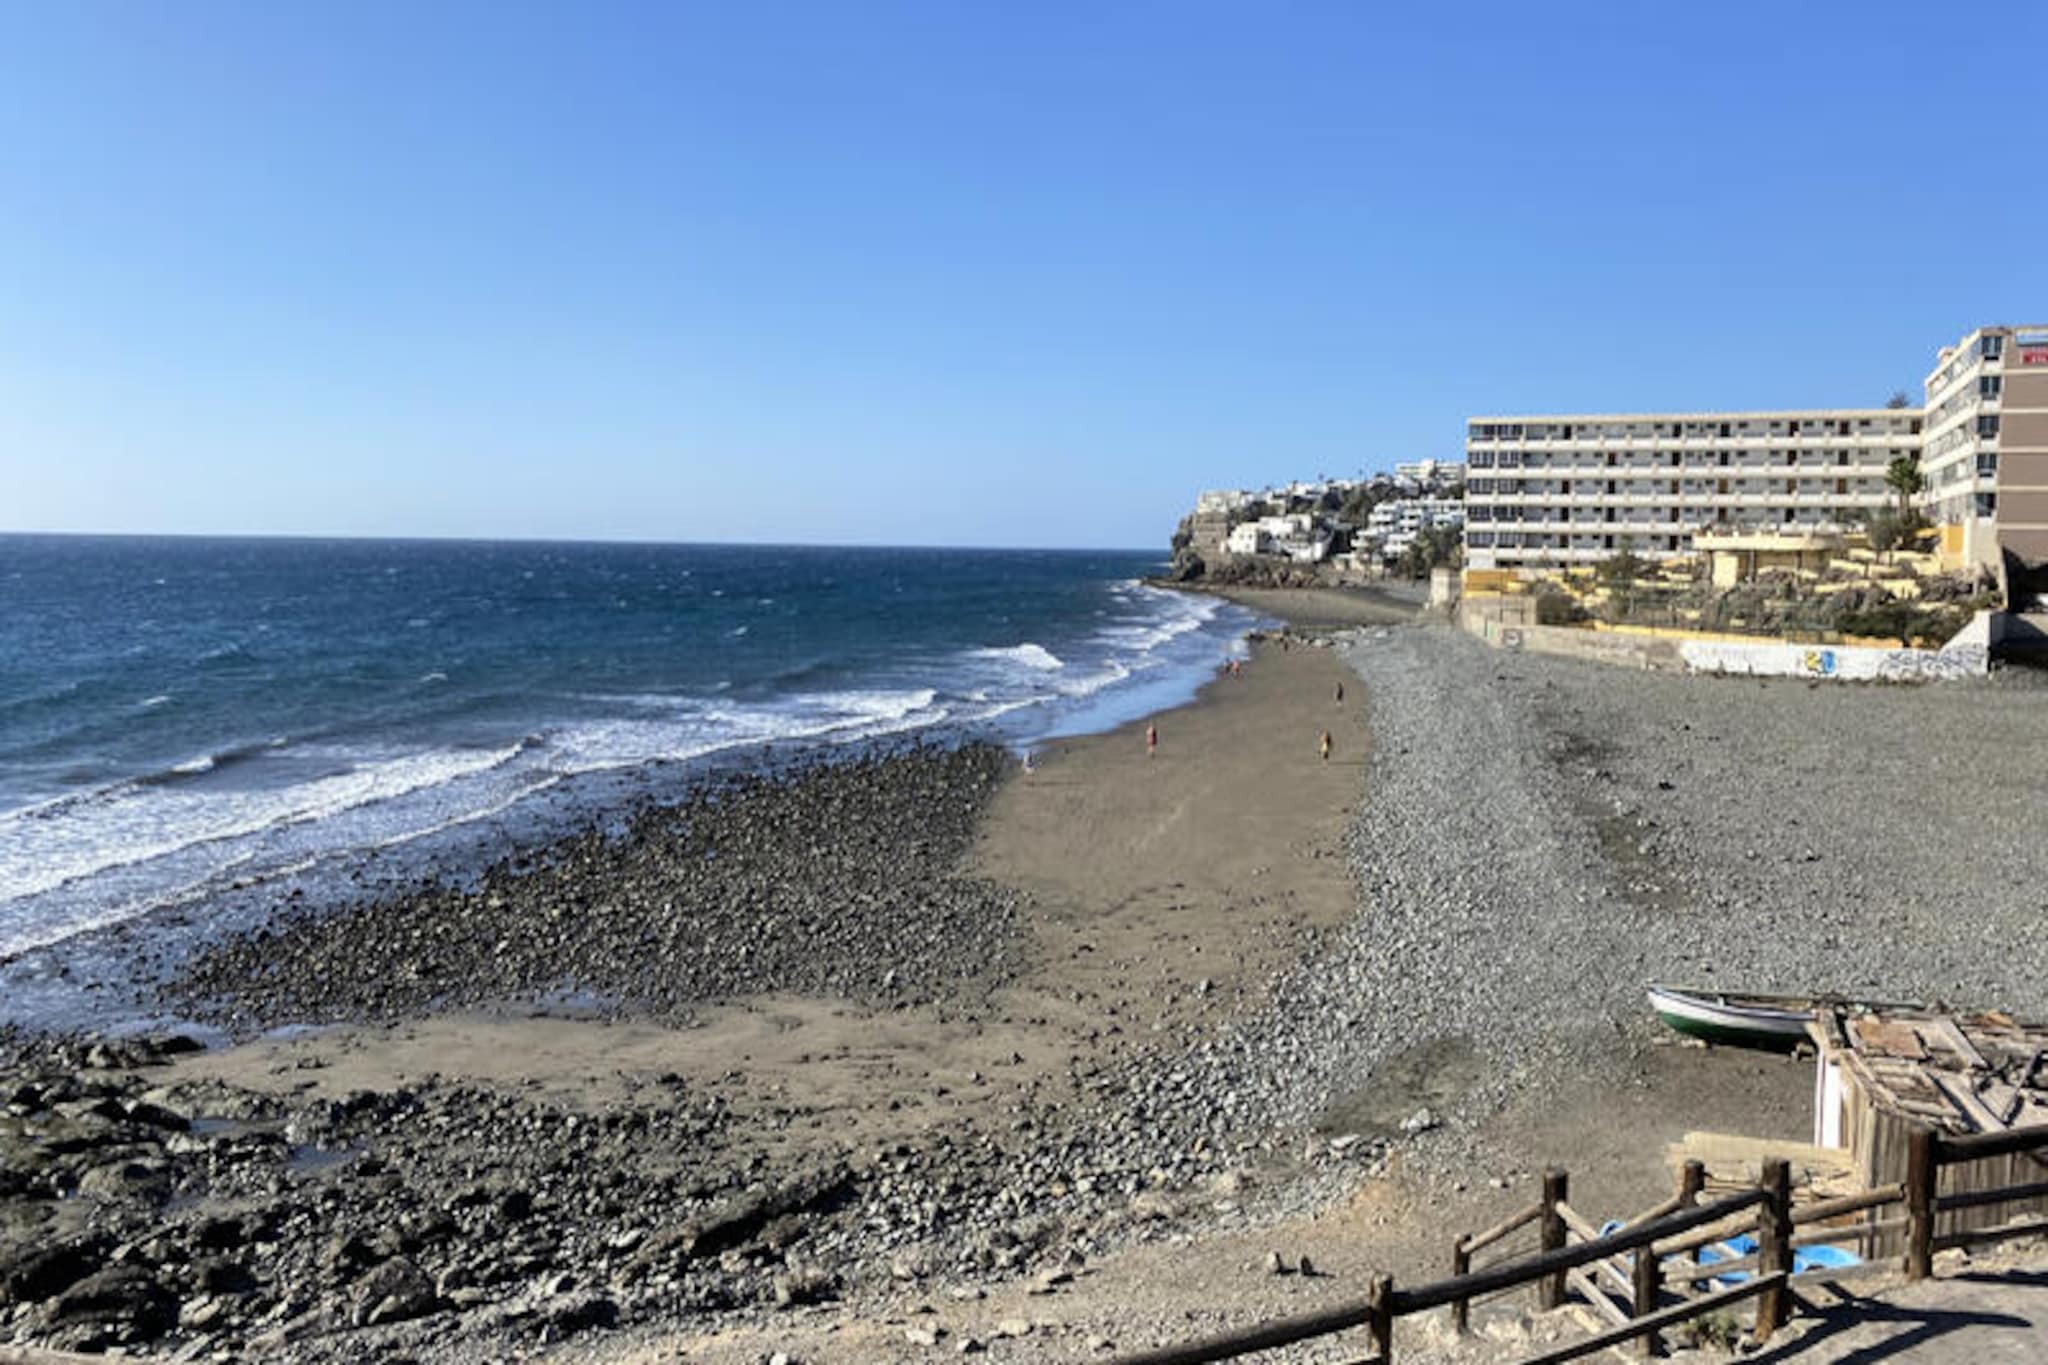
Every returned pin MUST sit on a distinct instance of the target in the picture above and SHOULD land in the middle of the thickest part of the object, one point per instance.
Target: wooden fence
(1641, 1294)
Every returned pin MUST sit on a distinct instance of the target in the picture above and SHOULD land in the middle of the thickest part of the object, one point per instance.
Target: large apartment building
(1560, 490)
(1986, 453)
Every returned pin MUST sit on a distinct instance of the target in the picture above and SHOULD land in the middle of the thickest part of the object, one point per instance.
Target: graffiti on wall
(1851, 663)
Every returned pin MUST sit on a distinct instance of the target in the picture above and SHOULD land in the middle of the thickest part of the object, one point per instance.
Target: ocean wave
(202, 764)
(139, 822)
(1029, 654)
(47, 696)
(1089, 684)
(91, 858)
(151, 703)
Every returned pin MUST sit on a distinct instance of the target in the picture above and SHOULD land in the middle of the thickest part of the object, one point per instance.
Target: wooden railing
(1630, 1291)
(1926, 1153)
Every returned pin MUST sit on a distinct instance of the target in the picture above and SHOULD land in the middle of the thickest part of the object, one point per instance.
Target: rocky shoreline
(1538, 838)
(838, 880)
(145, 1210)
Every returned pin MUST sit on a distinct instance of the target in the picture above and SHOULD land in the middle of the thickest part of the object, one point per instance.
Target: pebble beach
(921, 1052)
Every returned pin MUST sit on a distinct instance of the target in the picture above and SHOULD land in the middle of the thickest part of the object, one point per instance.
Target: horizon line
(1164, 552)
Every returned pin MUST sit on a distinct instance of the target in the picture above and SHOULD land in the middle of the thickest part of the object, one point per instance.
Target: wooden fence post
(1692, 1182)
(1556, 1190)
(1649, 1277)
(1920, 1184)
(1774, 1245)
(1379, 1296)
(1461, 1309)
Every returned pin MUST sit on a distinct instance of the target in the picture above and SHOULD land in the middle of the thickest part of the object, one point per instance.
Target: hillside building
(1391, 527)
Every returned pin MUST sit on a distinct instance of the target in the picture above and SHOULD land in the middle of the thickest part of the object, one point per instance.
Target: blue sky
(1025, 274)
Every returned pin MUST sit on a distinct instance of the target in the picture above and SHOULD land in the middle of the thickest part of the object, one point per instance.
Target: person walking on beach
(1326, 746)
(1151, 740)
(1340, 694)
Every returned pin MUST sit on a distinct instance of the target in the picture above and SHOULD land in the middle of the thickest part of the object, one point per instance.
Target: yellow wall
(1489, 580)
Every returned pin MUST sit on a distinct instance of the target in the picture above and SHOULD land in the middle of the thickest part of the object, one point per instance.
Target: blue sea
(191, 723)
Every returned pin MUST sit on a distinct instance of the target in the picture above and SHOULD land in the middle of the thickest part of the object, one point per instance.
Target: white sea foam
(151, 703)
(192, 767)
(693, 728)
(95, 858)
(137, 823)
(1028, 654)
(1089, 684)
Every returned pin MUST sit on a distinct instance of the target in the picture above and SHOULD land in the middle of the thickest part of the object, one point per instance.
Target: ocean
(197, 723)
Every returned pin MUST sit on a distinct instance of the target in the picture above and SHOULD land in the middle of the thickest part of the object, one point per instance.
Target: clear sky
(959, 273)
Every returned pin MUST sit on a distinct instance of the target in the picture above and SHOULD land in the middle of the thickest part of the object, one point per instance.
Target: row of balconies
(1891, 437)
(1972, 405)
(1873, 460)
(1742, 481)
(1813, 497)
(1481, 555)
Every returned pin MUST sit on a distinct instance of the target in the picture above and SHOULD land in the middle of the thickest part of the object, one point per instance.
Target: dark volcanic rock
(393, 1292)
(839, 880)
(33, 1273)
(111, 1307)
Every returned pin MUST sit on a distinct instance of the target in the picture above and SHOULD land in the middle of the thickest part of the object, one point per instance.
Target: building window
(1989, 385)
(1987, 504)
(1987, 425)
(1992, 346)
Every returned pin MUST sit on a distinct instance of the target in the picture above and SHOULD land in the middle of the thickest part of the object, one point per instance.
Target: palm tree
(1903, 476)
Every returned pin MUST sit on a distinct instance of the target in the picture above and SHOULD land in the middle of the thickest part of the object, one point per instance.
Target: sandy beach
(1068, 1058)
(1155, 895)
(1161, 890)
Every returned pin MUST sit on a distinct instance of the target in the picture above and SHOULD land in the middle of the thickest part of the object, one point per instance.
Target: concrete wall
(1848, 663)
(1504, 624)
(1516, 630)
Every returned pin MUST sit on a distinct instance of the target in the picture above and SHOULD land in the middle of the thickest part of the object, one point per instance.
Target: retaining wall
(1506, 624)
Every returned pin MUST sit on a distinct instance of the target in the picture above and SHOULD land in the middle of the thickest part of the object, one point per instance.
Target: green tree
(1359, 502)
(1898, 401)
(1903, 477)
(1432, 547)
(1620, 572)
